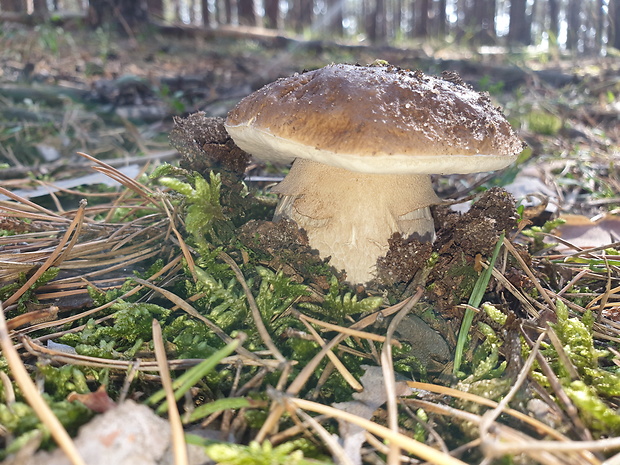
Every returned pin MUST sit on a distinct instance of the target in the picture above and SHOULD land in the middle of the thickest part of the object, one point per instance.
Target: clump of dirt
(205, 146)
(284, 246)
(403, 259)
(462, 239)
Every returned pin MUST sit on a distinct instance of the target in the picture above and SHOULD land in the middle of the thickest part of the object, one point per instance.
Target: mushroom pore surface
(364, 140)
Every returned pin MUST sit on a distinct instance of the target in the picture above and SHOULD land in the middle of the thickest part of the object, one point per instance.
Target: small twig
(33, 397)
(176, 426)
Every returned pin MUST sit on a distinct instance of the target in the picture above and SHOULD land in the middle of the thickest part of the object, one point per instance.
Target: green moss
(543, 122)
(21, 421)
(256, 454)
(596, 383)
(341, 302)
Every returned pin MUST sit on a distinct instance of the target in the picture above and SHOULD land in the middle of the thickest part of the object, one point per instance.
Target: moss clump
(543, 122)
(596, 383)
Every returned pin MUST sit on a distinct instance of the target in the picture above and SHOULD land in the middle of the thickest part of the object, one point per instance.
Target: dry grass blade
(121, 178)
(346, 374)
(36, 349)
(55, 257)
(387, 368)
(33, 397)
(504, 433)
(330, 441)
(341, 329)
(258, 320)
(193, 312)
(176, 426)
(410, 445)
(543, 292)
(447, 391)
(578, 426)
(306, 372)
(33, 206)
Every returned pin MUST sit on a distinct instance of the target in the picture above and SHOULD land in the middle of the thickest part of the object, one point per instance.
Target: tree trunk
(272, 14)
(155, 8)
(519, 31)
(40, 8)
(377, 21)
(246, 12)
(420, 18)
(334, 16)
(228, 9)
(122, 14)
(397, 22)
(554, 21)
(442, 19)
(600, 25)
(14, 6)
(484, 21)
(206, 14)
(615, 23)
(572, 17)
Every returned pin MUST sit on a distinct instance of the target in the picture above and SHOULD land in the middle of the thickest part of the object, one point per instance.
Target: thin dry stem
(176, 426)
(410, 445)
(33, 397)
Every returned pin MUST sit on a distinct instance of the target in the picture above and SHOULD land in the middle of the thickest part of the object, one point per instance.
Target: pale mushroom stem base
(350, 216)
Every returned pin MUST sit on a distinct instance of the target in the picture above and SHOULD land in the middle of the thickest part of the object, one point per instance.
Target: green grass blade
(217, 405)
(188, 379)
(474, 301)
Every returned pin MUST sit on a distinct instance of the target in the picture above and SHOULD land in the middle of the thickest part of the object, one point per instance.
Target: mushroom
(364, 141)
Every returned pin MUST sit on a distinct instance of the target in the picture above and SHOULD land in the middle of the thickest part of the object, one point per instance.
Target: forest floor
(166, 260)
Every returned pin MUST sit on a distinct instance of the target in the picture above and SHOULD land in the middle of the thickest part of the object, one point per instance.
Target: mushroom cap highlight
(375, 119)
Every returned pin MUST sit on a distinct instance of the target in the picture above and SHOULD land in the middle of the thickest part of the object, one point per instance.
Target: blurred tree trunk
(397, 22)
(334, 16)
(228, 9)
(484, 21)
(155, 8)
(519, 30)
(600, 25)
(122, 14)
(614, 25)
(554, 20)
(300, 14)
(272, 13)
(572, 18)
(40, 8)
(442, 18)
(206, 14)
(376, 22)
(16, 6)
(419, 27)
(246, 12)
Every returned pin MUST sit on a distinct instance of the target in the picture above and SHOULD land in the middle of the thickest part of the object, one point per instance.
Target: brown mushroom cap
(375, 119)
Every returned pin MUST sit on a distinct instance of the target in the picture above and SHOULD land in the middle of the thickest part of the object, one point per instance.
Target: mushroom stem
(350, 216)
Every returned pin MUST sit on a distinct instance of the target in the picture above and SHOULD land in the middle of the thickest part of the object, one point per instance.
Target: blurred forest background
(588, 27)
